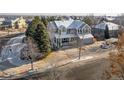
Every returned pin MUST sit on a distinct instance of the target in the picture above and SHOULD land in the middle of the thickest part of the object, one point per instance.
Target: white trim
(86, 25)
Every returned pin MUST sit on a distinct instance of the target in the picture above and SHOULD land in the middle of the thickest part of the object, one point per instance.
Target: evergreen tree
(30, 30)
(51, 18)
(42, 38)
(37, 30)
(36, 20)
(45, 21)
(32, 26)
(89, 20)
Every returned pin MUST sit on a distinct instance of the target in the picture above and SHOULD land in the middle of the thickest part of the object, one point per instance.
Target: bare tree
(31, 50)
(8, 31)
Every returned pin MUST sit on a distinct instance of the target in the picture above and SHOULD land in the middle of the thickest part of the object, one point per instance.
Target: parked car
(105, 45)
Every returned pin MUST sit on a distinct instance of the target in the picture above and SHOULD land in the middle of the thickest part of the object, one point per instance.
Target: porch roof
(85, 36)
(65, 36)
(71, 35)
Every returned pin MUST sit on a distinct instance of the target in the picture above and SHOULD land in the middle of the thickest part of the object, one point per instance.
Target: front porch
(72, 41)
(65, 42)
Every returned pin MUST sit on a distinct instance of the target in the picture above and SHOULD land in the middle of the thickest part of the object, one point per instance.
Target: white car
(105, 46)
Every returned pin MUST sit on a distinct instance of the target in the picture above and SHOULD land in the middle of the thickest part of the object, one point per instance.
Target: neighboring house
(6, 24)
(67, 32)
(105, 30)
(17, 23)
(2, 20)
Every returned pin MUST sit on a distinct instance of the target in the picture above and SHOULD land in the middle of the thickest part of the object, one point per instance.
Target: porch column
(69, 41)
(59, 42)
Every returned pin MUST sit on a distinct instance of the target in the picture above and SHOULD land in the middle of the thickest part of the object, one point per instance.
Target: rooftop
(63, 23)
(70, 24)
(76, 24)
(111, 26)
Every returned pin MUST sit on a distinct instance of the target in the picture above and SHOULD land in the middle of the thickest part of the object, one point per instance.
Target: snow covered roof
(72, 35)
(70, 24)
(88, 36)
(85, 36)
(76, 24)
(111, 26)
(110, 18)
(65, 36)
(63, 23)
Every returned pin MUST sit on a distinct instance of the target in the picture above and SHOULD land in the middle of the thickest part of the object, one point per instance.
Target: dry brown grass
(54, 57)
(118, 56)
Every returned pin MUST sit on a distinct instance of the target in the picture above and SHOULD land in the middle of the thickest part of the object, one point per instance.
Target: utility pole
(79, 45)
(79, 52)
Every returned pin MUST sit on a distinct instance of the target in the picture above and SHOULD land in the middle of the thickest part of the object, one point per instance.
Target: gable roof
(84, 24)
(63, 23)
(7, 22)
(76, 24)
(111, 26)
(70, 24)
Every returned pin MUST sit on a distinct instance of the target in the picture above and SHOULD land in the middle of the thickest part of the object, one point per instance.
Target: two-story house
(68, 32)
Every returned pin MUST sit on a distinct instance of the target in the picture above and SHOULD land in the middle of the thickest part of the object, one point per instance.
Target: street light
(80, 39)
(79, 52)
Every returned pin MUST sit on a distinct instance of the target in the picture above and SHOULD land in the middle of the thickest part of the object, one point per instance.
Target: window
(80, 31)
(54, 39)
(64, 40)
(72, 39)
(84, 30)
(68, 31)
